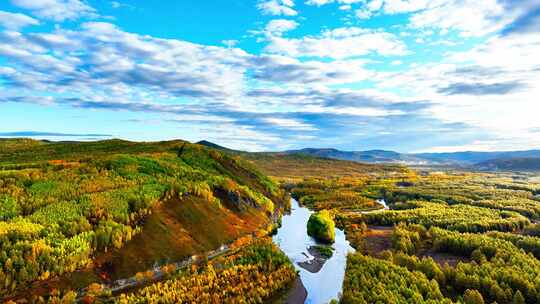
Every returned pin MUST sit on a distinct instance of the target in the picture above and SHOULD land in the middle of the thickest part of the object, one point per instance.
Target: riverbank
(297, 294)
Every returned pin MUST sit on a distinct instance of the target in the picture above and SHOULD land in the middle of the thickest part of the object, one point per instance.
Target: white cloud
(16, 21)
(493, 88)
(116, 4)
(290, 124)
(277, 7)
(338, 44)
(374, 5)
(363, 14)
(277, 27)
(522, 142)
(199, 118)
(352, 111)
(245, 138)
(229, 43)
(102, 58)
(57, 10)
(318, 2)
(470, 17)
(324, 2)
(283, 69)
(513, 52)
(406, 6)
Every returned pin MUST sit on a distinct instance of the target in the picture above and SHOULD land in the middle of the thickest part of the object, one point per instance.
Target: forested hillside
(73, 214)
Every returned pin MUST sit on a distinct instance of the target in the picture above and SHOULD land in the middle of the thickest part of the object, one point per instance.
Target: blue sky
(404, 75)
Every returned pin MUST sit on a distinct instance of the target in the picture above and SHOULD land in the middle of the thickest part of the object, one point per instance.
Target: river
(293, 239)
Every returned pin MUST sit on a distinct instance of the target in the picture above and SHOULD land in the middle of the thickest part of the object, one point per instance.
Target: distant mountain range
(470, 158)
(508, 160)
(371, 156)
(510, 164)
(503, 161)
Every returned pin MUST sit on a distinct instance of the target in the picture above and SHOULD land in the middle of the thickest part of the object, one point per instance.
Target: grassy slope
(177, 230)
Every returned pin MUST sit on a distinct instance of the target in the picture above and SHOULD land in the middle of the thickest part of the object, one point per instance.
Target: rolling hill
(106, 210)
(510, 164)
(370, 156)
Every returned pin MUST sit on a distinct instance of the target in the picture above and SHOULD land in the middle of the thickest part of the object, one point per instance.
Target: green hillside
(73, 213)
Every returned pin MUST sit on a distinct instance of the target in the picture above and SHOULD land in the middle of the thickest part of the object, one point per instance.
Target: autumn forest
(175, 222)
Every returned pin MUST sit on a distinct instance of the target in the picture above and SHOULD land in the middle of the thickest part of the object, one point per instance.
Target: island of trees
(320, 226)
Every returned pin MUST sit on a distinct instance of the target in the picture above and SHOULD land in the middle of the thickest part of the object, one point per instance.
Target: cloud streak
(277, 7)
(339, 43)
(482, 88)
(57, 10)
(16, 21)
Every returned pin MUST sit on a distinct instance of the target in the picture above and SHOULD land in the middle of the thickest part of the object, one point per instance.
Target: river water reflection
(293, 239)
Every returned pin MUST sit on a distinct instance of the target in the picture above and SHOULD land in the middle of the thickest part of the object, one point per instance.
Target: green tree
(472, 296)
(8, 208)
(518, 298)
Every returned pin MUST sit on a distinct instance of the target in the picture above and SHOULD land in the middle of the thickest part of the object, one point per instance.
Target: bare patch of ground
(442, 258)
(377, 239)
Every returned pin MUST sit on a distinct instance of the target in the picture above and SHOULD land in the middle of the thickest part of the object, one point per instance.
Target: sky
(268, 75)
